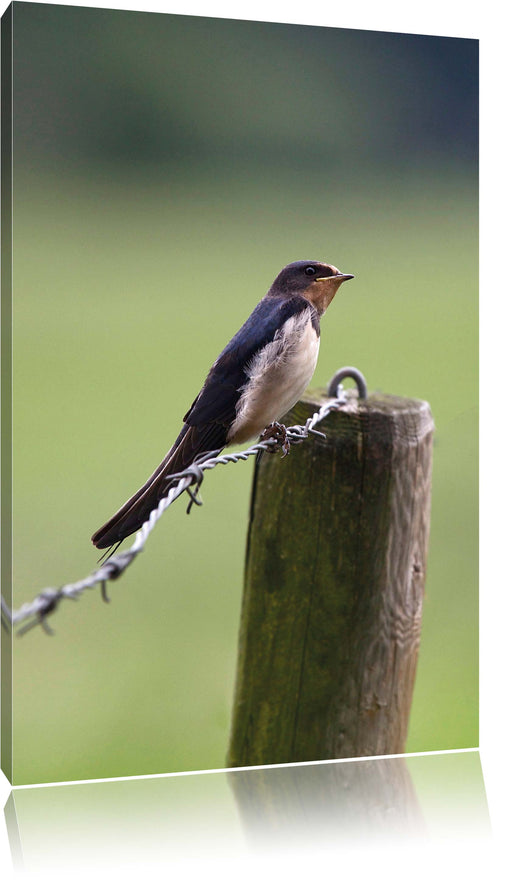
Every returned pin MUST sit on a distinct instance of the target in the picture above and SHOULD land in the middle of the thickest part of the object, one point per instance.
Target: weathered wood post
(327, 802)
(334, 583)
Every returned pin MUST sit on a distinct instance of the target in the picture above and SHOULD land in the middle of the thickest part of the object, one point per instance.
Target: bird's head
(316, 281)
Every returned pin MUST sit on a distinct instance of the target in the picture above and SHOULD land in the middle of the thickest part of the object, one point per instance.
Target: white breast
(278, 375)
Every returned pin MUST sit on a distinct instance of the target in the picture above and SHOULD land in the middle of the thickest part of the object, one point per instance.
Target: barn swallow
(257, 378)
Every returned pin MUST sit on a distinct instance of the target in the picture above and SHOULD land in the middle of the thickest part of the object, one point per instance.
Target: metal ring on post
(355, 374)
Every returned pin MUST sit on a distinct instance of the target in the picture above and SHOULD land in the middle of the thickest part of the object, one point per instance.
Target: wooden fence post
(334, 583)
(331, 803)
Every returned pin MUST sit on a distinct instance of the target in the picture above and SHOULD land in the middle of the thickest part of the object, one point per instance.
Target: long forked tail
(191, 442)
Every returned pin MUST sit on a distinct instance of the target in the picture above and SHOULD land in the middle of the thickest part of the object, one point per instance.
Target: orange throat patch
(321, 293)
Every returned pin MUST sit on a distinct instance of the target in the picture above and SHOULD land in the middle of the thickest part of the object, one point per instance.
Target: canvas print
(239, 342)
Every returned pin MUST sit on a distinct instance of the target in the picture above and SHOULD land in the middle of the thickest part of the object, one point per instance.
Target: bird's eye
(310, 271)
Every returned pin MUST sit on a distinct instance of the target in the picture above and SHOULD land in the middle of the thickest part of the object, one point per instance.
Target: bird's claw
(277, 432)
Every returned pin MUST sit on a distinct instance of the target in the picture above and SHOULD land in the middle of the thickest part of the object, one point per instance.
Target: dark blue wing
(208, 421)
(218, 398)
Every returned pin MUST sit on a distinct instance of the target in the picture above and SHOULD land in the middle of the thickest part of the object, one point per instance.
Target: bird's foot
(277, 432)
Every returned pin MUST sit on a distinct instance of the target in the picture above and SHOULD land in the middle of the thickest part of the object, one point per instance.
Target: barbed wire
(36, 612)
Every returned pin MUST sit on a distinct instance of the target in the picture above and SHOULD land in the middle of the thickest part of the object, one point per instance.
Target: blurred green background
(165, 169)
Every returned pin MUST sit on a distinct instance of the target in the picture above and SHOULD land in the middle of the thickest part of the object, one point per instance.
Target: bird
(257, 378)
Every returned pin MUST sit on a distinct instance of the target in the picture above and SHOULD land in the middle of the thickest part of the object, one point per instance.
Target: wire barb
(37, 611)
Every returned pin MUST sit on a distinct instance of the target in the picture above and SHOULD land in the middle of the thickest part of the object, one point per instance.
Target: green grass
(124, 293)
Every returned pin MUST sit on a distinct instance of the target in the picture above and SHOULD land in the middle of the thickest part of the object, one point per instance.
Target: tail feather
(191, 442)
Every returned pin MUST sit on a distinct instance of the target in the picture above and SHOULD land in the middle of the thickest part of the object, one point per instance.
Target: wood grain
(334, 583)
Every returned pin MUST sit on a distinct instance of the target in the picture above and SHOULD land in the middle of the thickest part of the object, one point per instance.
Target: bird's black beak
(344, 277)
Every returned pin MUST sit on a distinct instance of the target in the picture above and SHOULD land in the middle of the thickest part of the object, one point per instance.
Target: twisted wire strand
(35, 612)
